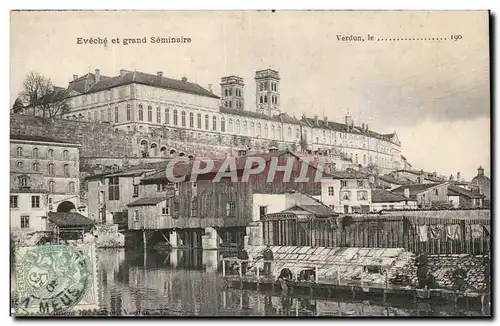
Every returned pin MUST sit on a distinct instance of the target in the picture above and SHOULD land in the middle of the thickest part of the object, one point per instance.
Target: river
(189, 283)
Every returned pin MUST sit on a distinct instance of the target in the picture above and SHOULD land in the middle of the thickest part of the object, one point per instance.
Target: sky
(434, 93)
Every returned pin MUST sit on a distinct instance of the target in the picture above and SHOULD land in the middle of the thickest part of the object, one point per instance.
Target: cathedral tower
(232, 92)
(267, 92)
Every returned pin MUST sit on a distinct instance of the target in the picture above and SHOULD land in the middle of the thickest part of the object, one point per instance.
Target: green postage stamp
(55, 279)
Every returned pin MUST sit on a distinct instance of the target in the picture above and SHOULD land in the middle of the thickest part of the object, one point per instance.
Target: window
(237, 127)
(191, 120)
(230, 125)
(35, 152)
(262, 211)
(362, 195)
(436, 192)
(176, 208)
(150, 113)
(222, 124)
(141, 113)
(161, 186)
(35, 201)
(116, 114)
(95, 115)
(158, 115)
(50, 153)
(109, 114)
(343, 183)
(65, 155)
(66, 170)
(176, 119)
(52, 186)
(71, 187)
(289, 132)
(206, 122)
(261, 99)
(35, 166)
(297, 133)
(346, 195)
(136, 215)
(332, 207)
(266, 134)
(259, 130)
(19, 151)
(129, 113)
(51, 169)
(23, 181)
(25, 222)
(231, 208)
(13, 202)
(114, 188)
(194, 208)
(361, 184)
(167, 116)
(331, 191)
(165, 209)
(136, 191)
(214, 123)
(102, 114)
(265, 98)
(183, 118)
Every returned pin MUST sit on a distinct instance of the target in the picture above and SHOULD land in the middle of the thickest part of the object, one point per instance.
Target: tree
(18, 106)
(40, 97)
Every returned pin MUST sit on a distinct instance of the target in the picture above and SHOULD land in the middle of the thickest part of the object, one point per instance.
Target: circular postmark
(52, 279)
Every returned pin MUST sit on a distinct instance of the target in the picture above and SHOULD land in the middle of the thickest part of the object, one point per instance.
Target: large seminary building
(142, 103)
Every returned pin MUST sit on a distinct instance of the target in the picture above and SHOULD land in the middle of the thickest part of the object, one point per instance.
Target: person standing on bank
(268, 255)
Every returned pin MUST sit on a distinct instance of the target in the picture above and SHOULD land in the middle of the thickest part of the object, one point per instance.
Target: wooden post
(223, 267)
(338, 277)
(362, 277)
(144, 238)
(386, 279)
(316, 274)
(239, 264)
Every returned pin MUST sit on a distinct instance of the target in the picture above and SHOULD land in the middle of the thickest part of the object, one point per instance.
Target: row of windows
(14, 201)
(264, 86)
(346, 195)
(229, 92)
(229, 104)
(263, 99)
(35, 152)
(35, 167)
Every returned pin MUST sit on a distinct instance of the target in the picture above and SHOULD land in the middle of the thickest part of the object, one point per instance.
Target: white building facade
(139, 102)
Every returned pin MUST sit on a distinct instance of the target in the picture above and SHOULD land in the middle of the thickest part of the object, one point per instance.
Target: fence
(432, 236)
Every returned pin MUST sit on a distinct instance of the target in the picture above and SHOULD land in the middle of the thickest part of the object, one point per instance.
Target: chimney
(123, 72)
(366, 126)
(159, 74)
(480, 171)
(458, 177)
(97, 75)
(422, 177)
(434, 174)
(363, 127)
(325, 119)
(75, 77)
(316, 120)
(210, 88)
(184, 79)
(407, 192)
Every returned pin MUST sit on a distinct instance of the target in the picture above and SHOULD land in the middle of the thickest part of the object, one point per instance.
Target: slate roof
(457, 191)
(318, 210)
(147, 201)
(390, 179)
(184, 168)
(346, 175)
(69, 219)
(384, 196)
(37, 138)
(245, 113)
(150, 80)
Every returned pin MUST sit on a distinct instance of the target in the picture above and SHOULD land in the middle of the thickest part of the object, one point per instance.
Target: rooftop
(147, 201)
(129, 77)
(69, 219)
(384, 196)
(37, 138)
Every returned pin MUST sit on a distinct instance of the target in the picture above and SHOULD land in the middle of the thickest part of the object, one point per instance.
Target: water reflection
(187, 282)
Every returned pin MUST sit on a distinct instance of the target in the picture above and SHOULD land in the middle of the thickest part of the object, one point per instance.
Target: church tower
(232, 92)
(267, 92)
